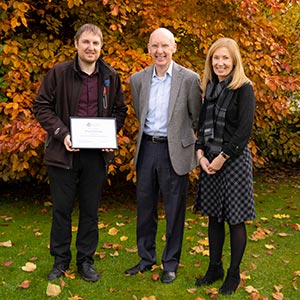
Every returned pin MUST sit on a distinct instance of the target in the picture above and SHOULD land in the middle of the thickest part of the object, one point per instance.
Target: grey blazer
(183, 115)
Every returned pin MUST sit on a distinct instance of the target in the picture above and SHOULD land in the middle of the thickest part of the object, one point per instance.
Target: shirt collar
(169, 71)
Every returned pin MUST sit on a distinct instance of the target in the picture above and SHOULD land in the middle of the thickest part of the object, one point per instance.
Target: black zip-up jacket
(57, 101)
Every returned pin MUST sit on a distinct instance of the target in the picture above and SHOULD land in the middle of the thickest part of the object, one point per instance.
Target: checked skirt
(228, 194)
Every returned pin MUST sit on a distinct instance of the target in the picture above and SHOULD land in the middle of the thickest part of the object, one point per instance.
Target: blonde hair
(238, 74)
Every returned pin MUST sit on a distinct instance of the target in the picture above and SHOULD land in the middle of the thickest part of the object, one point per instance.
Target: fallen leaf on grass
(69, 274)
(295, 284)
(131, 250)
(34, 258)
(197, 264)
(112, 290)
(199, 250)
(277, 296)
(6, 244)
(116, 253)
(256, 296)
(250, 289)
(149, 298)
(75, 297)
(108, 245)
(212, 291)
(204, 224)
(123, 238)
(203, 242)
(192, 290)
(53, 290)
(29, 267)
(278, 288)
(296, 226)
(260, 234)
(194, 221)
(269, 247)
(25, 284)
(283, 234)
(113, 231)
(244, 275)
(6, 218)
(161, 216)
(282, 216)
(297, 273)
(101, 225)
(253, 266)
(201, 234)
(62, 282)
(101, 254)
(155, 276)
(286, 261)
(7, 263)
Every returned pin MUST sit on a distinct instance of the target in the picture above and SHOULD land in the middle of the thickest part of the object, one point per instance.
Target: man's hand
(108, 150)
(68, 144)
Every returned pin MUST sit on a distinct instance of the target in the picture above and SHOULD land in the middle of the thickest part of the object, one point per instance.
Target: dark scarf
(218, 97)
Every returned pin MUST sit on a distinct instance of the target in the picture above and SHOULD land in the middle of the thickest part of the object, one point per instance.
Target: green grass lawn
(271, 265)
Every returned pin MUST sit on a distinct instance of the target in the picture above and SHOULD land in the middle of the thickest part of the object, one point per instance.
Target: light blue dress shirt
(156, 123)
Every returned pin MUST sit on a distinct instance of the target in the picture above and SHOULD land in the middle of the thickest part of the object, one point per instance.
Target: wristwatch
(225, 155)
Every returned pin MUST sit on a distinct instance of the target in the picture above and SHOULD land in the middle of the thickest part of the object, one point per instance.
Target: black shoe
(231, 282)
(139, 268)
(214, 273)
(88, 272)
(168, 277)
(57, 271)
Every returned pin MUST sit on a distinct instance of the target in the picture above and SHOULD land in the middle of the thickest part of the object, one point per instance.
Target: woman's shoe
(213, 274)
(231, 282)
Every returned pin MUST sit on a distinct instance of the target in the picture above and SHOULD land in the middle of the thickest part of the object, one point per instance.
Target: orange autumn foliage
(36, 35)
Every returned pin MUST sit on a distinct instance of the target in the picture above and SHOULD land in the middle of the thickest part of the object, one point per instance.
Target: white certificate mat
(93, 133)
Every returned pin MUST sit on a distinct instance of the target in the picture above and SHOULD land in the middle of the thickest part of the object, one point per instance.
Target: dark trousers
(156, 175)
(86, 180)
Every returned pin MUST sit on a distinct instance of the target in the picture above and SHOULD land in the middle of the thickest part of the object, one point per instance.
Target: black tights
(216, 236)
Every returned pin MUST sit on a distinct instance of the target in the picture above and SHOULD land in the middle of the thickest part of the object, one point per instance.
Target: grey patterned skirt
(228, 194)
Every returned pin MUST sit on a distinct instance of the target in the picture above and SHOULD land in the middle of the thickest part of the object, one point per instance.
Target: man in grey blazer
(167, 102)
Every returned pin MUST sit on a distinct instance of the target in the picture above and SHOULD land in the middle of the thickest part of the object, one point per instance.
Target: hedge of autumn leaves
(36, 35)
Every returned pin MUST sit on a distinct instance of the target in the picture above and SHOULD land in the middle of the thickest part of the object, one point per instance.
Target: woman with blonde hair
(225, 191)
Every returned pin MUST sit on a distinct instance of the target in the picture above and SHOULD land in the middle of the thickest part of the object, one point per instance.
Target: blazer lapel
(147, 78)
(175, 86)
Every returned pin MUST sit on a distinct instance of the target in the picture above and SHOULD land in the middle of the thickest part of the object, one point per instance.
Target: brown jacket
(57, 101)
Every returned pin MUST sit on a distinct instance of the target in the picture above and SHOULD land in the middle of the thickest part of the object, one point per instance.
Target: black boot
(214, 273)
(231, 282)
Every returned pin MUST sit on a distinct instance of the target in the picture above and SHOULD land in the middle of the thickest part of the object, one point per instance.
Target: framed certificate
(93, 133)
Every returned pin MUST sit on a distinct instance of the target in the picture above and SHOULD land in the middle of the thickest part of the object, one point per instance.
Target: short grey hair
(166, 32)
